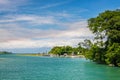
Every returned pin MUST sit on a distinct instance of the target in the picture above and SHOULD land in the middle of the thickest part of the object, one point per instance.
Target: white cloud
(11, 5)
(4, 2)
(16, 31)
(30, 19)
(38, 43)
(31, 30)
(19, 37)
(54, 5)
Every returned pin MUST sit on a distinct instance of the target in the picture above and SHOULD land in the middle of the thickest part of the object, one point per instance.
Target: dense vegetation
(66, 50)
(106, 27)
(105, 48)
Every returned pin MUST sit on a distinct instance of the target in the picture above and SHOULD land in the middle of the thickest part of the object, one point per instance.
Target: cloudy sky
(28, 26)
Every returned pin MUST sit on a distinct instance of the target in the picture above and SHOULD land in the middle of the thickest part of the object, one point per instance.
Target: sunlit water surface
(13, 67)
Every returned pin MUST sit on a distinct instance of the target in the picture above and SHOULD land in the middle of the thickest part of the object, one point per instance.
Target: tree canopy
(106, 46)
(61, 50)
(106, 27)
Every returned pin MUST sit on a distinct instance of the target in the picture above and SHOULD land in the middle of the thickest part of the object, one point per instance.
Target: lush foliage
(106, 27)
(105, 48)
(68, 50)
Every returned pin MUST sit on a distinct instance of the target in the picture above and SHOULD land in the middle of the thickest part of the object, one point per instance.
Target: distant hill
(5, 52)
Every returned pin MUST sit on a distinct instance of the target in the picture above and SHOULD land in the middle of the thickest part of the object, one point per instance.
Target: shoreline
(69, 56)
(61, 56)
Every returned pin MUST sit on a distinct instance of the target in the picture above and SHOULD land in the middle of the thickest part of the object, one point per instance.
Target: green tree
(68, 50)
(106, 27)
(56, 50)
(113, 54)
(61, 50)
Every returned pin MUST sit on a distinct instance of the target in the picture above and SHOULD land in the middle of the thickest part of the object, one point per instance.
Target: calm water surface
(13, 67)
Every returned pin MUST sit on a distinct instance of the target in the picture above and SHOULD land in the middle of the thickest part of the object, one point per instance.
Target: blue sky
(28, 26)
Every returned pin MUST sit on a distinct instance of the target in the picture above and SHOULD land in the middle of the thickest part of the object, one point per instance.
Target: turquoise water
(13, 67)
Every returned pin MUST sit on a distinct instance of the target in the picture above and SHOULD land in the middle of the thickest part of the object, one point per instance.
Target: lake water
(13, 67)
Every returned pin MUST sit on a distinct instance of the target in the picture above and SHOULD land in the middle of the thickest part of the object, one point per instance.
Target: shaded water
(13, 67)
